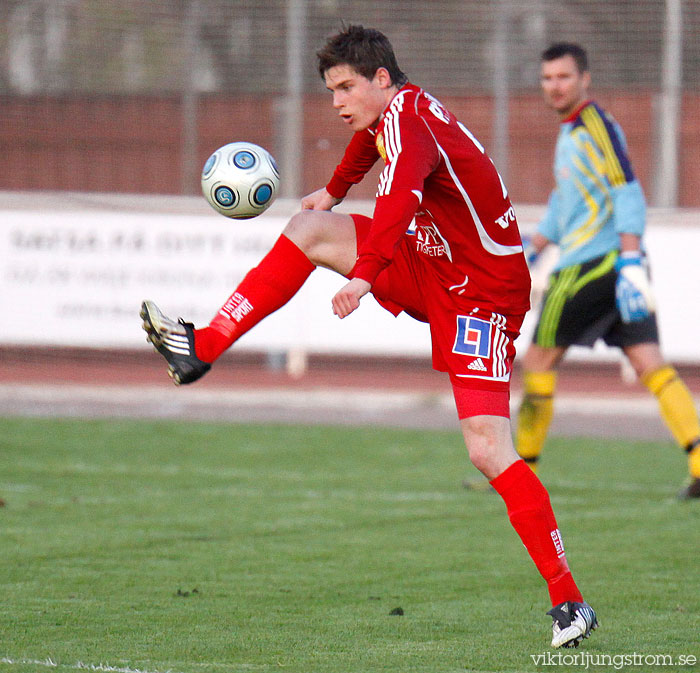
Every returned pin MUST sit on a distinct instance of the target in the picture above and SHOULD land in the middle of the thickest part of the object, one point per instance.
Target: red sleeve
(392, 216)
(360, 155)
(412, 155)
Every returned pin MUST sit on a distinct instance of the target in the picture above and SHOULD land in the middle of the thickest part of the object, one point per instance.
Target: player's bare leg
(536, 408)
(326, 238)
(489, 443)
(310, 239)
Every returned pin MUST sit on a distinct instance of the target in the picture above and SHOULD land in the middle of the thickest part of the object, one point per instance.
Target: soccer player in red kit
(443, 245)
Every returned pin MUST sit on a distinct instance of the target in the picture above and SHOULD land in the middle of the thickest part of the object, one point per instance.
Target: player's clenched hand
(319, 200)
(347, 299)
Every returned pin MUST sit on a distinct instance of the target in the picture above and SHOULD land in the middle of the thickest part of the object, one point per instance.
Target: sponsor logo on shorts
(485, 344)
(477, 365)
(473, 337)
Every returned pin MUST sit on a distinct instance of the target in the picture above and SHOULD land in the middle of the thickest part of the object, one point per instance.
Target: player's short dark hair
(576, 51)
(363, 49)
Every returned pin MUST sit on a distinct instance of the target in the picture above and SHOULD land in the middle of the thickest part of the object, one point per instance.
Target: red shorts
(474, 345)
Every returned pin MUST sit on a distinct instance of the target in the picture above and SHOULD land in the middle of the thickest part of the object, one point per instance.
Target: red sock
(530, 513)
(267, 287)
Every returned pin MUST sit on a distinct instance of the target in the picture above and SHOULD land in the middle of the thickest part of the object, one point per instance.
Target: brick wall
(134, 144)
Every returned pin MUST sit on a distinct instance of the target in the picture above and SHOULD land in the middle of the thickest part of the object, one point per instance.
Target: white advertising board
(77, 276)
(78, 279)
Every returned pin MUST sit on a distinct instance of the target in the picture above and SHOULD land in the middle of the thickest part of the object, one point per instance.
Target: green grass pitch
(212, 548)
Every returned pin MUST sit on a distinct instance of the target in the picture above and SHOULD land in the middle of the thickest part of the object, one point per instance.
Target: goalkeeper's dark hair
(560, 49)
(363, 49)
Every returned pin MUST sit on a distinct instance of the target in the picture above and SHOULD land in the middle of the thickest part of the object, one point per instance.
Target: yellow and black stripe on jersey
(602, 129)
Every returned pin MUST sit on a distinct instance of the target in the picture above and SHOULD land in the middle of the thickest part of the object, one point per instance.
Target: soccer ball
(240, 180)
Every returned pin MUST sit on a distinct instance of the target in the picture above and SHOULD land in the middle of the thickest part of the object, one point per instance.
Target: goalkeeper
(600, 286)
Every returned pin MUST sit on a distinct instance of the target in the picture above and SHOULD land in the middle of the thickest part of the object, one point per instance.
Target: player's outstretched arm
(319, 200)
(347, 299)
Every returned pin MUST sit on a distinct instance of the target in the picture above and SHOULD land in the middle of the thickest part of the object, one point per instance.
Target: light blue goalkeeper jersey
(597, 196)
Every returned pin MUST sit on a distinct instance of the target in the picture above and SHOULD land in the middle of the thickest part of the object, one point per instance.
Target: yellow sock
(535, 415)
(694, 460)
(678, 411)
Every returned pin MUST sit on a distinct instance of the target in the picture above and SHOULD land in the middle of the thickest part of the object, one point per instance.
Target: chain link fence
(133, 96)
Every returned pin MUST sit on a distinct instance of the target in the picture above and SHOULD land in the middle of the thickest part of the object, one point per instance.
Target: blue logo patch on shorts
(473, 337)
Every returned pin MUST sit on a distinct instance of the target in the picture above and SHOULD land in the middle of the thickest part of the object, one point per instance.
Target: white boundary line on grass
(80, 666)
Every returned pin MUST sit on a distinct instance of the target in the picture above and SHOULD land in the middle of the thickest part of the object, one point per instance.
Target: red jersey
(439, 187)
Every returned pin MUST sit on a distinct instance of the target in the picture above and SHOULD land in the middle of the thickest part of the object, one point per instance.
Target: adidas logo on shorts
(477, 365)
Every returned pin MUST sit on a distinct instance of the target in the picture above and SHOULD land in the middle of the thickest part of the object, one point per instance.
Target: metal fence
(132, 96)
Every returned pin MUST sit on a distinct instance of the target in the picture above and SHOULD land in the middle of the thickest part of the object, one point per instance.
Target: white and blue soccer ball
(240, 180)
